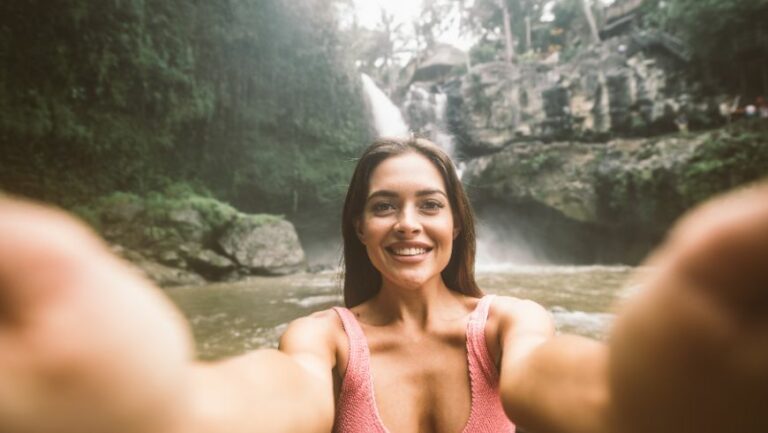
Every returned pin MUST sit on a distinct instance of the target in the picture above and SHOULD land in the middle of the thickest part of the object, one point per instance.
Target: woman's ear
(456, 231)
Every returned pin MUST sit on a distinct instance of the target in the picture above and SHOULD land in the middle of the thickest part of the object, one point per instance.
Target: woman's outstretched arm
(550, 384)
(689, 354)
(88, 346)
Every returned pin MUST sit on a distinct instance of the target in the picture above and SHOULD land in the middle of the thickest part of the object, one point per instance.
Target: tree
(508, 20)
(590, 20)
(255, 100)
(728, 39)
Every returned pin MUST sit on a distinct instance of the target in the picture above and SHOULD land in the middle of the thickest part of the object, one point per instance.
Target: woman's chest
(420, 384)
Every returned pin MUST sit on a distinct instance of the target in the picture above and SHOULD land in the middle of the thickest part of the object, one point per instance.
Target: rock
(171, 257)
(423, 107)
(496, 103)
(122, 211)
(210, 264)
(189, 223)
(162, 275)
(166, 276)
(174, 239)
(263, 244)
(557, 176)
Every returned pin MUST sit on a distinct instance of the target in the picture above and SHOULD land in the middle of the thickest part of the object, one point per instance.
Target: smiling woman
(370, 199)
(416, 321)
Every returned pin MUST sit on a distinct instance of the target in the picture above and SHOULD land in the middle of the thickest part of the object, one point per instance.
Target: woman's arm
(263, 391)
(549, 383)
(88, 346)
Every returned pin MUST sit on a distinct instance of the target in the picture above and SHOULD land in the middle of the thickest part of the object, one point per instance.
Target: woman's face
(407, 222)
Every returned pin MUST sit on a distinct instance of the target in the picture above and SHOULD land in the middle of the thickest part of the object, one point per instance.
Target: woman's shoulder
(319, 331)
(507, 312)
(511, 305)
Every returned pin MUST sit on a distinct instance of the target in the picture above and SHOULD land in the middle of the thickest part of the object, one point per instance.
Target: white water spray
(386, 116)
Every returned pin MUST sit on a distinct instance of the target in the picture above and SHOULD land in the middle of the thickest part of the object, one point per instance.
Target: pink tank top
(357, 412)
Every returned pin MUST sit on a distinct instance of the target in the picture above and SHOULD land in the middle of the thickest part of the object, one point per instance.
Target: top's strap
(357, 364)
(476, 343)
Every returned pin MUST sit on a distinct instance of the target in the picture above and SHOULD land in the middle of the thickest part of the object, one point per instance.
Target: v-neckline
(369, 383)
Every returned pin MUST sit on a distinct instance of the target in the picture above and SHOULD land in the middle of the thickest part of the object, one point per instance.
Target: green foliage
(483, 52)
(539, 162)
(643, 196)
(728, 39)
(155, 211)
(482, 102)
(255, 100)
(729, 158)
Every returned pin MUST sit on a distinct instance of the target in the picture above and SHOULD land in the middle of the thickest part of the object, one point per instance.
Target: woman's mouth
(407, 252)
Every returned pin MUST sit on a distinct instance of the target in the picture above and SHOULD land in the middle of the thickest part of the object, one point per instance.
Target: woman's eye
(382, 207)
(432, 205)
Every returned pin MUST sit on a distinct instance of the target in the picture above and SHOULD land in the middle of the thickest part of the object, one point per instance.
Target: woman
(416, 321)
(88, 346)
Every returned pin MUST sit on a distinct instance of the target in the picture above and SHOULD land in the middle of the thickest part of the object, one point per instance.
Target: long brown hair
(361, 279)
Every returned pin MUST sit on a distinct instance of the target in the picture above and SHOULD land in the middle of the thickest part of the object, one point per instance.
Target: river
(230, 319)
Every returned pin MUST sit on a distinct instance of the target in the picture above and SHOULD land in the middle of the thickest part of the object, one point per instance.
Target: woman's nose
(407, 222)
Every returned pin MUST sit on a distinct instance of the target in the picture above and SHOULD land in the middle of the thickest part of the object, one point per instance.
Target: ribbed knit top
(356, 410)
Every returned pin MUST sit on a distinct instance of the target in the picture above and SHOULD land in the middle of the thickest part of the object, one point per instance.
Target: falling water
(386, 116)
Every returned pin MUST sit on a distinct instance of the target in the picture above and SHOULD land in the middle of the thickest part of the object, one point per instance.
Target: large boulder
(186, 239)
(163, 275)
(210, 264)
(263, 245)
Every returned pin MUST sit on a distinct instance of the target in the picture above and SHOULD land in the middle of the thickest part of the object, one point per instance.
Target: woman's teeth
(409, 251)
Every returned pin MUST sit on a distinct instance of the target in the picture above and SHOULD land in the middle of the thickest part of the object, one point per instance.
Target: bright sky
(404, 11)
(369, 11)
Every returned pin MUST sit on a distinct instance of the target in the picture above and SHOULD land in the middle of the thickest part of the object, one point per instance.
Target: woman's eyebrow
(382, 193)
(424, 192)
(392, 194)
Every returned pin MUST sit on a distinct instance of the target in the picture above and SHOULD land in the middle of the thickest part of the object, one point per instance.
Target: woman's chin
(411, 281)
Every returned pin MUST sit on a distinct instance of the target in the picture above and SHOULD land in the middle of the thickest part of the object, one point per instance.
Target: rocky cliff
(608, 202)
(629, 86)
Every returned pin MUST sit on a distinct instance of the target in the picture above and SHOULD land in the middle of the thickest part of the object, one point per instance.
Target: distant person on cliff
(762, 107)
(86, 345)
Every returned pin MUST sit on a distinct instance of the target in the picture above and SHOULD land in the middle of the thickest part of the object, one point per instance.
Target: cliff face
(608, 202)
(627, 86)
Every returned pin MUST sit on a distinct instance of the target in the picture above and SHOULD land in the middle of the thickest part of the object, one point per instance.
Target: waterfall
(386, 115)
(425, 111)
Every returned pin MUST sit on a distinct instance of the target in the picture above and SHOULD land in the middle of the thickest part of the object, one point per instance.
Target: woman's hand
(690, 354)
(86, 345)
